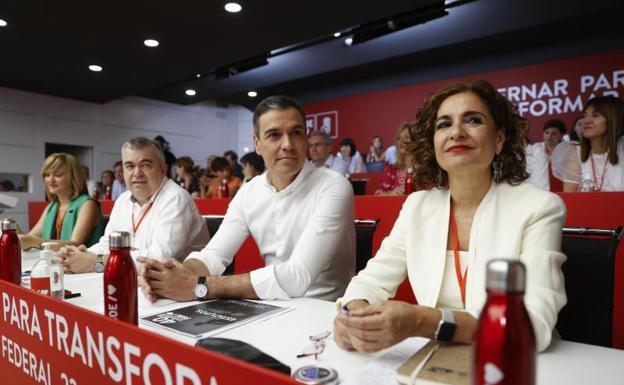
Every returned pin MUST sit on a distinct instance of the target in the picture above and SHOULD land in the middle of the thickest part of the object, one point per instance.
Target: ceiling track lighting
(378, 28)
(356, 35)
(242, 66)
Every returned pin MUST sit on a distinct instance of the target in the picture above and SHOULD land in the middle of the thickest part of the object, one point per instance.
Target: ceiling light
(95, 68)
(348, 41)
(3, 23)
(233, 7)
(190, 92)
(252, 94)
(337, 34)
(198, 76)
(151, 42)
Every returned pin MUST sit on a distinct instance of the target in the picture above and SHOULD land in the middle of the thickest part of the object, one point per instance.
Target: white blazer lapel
(429, 247)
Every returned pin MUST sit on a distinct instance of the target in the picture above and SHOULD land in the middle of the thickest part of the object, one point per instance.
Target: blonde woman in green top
(72, 217)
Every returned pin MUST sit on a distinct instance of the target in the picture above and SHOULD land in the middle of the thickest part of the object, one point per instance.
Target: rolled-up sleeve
(219, 252)
(172, 231)
(319, 242)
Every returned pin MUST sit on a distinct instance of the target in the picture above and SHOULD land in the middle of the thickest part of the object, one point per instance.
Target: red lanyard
(60, 219)
(602, 177)
(136, 227)
(461, 280)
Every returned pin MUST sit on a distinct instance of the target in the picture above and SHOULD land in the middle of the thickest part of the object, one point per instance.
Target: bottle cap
(119, 239)
(506, 275)
(316, 374)
(9, 224)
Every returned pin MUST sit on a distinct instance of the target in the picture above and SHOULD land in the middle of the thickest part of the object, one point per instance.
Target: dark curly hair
(505, 118)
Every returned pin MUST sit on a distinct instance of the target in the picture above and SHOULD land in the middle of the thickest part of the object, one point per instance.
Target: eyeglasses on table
(316, 346)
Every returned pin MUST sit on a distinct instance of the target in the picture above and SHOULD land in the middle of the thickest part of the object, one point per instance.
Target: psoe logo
(323, 121)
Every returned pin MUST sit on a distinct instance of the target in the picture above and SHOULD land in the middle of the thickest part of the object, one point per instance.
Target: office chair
(364, 231)
(359, 186)
(589, 282)
(213, 222)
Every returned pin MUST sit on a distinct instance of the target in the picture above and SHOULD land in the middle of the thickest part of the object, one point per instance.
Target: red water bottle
(505, 342)
(224, 190)
(120, 280)
(108, 194)
(409, 181)
(10, 253)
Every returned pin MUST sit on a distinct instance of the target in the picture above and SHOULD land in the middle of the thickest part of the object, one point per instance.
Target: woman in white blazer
(470, 145)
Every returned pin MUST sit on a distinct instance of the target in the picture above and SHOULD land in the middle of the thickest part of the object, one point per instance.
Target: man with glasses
(160, 216)
(320, 144)
(300, 216)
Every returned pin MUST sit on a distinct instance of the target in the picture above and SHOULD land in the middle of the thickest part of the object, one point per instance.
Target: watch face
(201, 291)
(99, 267)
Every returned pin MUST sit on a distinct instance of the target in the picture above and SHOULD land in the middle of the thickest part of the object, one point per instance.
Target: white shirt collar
(153, 196)
(307, 169)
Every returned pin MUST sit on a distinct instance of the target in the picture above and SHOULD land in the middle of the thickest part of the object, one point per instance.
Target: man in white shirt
(119, 185)
(160, 216)
(300, 216)
(320, 144)
(538, 154)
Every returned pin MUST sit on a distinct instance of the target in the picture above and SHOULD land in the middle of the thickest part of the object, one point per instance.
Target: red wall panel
(381, 112)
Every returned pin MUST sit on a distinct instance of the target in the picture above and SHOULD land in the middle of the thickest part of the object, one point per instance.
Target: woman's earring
(497, 169)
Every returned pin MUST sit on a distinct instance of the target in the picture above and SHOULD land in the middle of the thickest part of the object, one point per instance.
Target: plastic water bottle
(120, 280)
(10, 252)
(224, 190)
(57, 278)
(505, 341)
(108, 194)
(409, 181)
(46, 276)
(587, 181)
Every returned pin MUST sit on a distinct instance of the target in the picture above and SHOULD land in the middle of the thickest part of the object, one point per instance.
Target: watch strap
(446, 326)
(99, 263)
(201, 289)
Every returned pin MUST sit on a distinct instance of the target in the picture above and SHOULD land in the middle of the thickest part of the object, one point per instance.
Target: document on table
(211, 317)
(383, 371)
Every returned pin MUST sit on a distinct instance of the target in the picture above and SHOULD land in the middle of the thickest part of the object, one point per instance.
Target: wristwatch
(201, 290)
(99, 264)
(446, 327)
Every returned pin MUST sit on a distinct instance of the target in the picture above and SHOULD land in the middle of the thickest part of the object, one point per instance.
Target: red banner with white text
(556, 89)
(47, 341)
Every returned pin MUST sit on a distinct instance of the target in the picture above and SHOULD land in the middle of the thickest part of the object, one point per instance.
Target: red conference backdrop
(556, 89)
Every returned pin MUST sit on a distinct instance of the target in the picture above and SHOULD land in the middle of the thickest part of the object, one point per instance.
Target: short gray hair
(141, 142)
(327, 139)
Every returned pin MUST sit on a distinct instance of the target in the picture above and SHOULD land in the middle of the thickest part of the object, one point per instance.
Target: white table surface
(285, 335)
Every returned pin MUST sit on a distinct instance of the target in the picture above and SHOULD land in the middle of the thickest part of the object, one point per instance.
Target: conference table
(285, 335)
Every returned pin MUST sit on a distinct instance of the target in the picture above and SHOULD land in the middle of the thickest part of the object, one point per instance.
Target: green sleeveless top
(70, 221)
